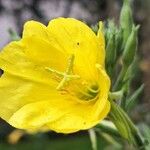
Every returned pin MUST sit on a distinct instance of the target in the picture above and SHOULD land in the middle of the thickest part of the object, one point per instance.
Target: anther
(92, 90)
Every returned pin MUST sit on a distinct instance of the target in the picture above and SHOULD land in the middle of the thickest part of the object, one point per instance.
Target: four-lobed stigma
(67, 75)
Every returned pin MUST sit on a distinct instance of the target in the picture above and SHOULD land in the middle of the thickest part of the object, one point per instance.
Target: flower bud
(118, 41)
(125, 126)
(109, 30)
(111, 50)
(130, 47)
(110, 47)
(126, 20)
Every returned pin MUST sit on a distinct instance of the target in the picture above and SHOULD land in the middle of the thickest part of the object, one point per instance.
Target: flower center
(78, 88)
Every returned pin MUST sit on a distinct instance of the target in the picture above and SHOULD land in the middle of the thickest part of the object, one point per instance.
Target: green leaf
(93, 138)
(107, 127)
(130, 103)
(111, 140)
(146, 132)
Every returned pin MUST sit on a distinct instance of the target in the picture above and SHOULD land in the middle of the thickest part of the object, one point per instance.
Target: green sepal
(125, 126)
(126, 20)
(130, 47)
(118, 41)
(111, 53)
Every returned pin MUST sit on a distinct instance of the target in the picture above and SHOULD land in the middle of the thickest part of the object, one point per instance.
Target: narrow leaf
(130, 103)
(93, 138)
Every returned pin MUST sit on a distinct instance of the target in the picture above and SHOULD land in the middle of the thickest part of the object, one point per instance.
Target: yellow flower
(54, 78)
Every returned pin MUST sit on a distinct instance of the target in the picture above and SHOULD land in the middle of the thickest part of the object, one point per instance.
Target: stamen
(84, 95)
(92, 90)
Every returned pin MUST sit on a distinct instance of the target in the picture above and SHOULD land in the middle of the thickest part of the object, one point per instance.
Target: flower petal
(100, 35)
(16, 92)
(79, 119)
(43, 53)
(14, 61)
(104, 86)
(63, 115)
(77, 38)
(34, 28)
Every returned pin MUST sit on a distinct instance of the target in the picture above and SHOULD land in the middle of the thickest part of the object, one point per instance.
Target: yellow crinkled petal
(41, 46)
(43, 53)
(34, 28)
(104, 86)
(79, 119)
(77, 38)
(14, 61)
(16, 92)
(36, 115)
(61, 115)
(100, 35)
(22, 77)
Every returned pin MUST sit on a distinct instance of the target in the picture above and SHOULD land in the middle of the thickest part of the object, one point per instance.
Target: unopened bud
(130, 47)
(110, 46)
(111, 50)
(118, 41)
(125, 126)
(126, 20)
